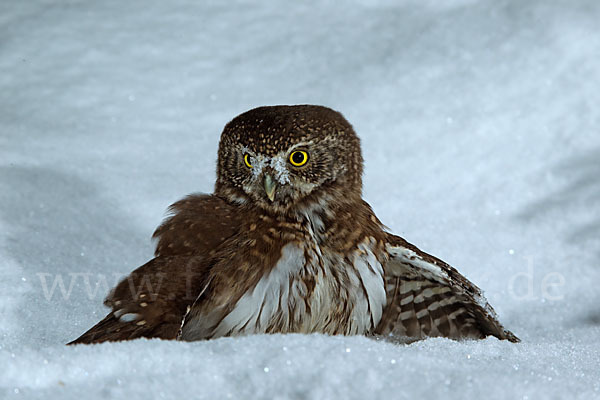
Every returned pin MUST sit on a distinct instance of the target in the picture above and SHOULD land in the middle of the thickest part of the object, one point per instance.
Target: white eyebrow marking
(279, 165)
(259, 164)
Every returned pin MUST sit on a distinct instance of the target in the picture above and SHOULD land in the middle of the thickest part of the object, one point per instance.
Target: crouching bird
(286, 244)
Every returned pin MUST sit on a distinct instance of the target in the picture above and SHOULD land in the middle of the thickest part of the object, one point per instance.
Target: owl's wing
(427, 297)
(151, 301)
(198, 224)
(237, 268)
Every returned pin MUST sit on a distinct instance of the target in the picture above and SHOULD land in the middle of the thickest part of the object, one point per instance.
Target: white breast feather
(370, 271)
(275, 298)
(266, 297)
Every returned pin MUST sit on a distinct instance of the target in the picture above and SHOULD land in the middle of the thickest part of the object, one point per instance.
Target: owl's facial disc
(276, 182)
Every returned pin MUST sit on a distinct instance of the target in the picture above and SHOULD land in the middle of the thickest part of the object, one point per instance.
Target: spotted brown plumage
(286, 244)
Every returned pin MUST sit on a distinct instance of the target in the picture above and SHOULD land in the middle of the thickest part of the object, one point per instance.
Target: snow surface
(480, 129)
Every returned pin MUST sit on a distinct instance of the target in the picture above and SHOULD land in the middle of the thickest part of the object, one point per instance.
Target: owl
(286, 244)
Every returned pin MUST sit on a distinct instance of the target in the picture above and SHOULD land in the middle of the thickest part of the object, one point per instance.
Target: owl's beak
(270, 186)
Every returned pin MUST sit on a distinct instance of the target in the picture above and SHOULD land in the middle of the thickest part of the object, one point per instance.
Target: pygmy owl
(286, 244)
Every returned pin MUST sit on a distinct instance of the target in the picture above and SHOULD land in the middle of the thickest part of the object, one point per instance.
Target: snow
(480, 130)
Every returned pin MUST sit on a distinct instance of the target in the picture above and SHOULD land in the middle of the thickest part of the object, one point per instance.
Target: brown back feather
(198, 224)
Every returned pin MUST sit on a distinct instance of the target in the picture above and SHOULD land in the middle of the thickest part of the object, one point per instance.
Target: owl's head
(285, 157)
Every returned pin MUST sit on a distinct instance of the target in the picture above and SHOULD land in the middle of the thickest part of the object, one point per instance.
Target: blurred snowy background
(480, 128)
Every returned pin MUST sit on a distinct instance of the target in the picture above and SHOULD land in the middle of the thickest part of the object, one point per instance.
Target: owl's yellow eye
(299, 158)
(247, 160)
